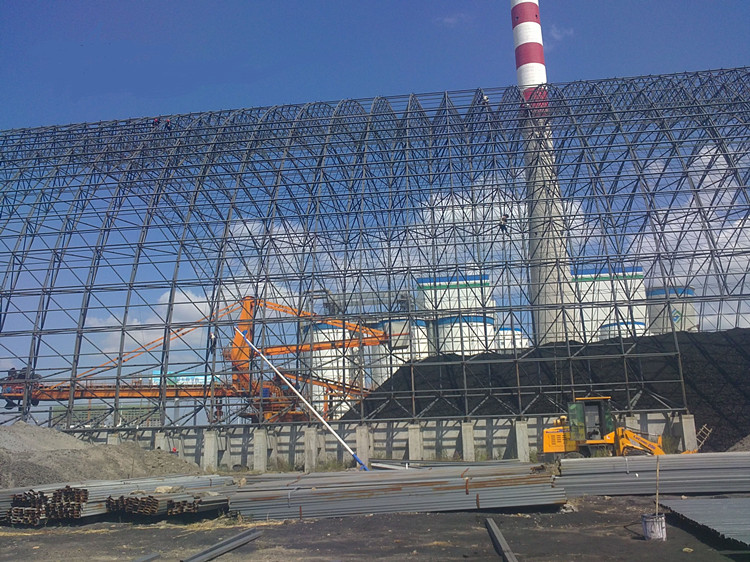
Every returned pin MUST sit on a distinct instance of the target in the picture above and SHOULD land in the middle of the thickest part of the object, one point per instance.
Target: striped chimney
(527, 39)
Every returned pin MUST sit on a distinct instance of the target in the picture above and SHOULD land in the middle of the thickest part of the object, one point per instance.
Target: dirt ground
(600, 529)
(593, 529)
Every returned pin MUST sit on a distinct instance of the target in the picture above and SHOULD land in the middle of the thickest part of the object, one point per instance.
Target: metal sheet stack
(414, 490)
(701, 473)
(68, 501)
(727, 517)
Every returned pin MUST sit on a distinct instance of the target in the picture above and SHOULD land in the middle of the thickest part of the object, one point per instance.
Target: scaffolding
(127, 246)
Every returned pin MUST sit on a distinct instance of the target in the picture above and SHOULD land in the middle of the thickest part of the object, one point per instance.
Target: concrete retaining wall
(310, 448)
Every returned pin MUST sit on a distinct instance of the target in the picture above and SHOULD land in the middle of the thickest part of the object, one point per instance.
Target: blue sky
(83, 60)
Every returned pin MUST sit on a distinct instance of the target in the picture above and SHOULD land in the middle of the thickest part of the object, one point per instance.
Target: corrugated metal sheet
(414, 490)
(702, 473)
(729, 517)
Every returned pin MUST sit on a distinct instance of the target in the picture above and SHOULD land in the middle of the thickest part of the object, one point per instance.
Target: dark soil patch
(599, 529)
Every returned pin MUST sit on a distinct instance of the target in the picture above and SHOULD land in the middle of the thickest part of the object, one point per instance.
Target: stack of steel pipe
(178, 504)
(28, 508)
(67, 503)
(422, 490)
(700, 473)
(27, 516)
(76, 500)
(21, 498)
(146, 504)
(210, 503)
(195, 504)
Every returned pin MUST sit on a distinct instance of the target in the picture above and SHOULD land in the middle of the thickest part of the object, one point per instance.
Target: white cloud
(555, 35)
(453, 20)
(559, 33)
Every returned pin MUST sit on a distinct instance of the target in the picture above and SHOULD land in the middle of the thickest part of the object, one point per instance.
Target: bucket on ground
(654, 527)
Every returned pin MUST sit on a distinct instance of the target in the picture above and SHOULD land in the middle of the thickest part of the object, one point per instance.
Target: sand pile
(31, 455)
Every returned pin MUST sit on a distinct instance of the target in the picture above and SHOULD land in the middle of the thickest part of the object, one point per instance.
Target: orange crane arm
(240, 353)
(305, 314)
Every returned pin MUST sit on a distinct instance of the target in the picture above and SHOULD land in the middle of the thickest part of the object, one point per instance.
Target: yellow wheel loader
(589, 430)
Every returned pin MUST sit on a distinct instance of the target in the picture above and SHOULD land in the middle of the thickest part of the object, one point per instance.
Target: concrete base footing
(311, 449)
(364, 443)
(260, 450)
(416, 445)
(518, 442)
(210, 457)
(467, 442)
(686, 430)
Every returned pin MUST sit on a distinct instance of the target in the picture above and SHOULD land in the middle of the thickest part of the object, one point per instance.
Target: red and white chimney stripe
(527, 39)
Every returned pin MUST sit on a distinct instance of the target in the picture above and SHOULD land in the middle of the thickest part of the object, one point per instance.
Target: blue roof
(678, 291)
(466, 319)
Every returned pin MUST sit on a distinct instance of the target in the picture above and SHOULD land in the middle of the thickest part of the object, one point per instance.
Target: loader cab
(588, 426)
(590, 418)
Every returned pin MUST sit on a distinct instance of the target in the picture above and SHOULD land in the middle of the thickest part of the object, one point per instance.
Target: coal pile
(715, 366)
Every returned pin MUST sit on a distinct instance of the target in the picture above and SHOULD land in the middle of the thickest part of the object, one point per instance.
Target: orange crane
(240, 354)
(271, 397)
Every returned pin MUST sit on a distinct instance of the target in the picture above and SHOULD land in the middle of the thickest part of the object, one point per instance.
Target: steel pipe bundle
(27, 516)
(711, 473)
(209, 503)
(165, 503)
(35, 507)
(143, 504)
(422, 490)
(67, 501)
(178, 504)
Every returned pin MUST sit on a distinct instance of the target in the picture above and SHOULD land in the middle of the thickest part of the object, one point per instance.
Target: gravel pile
(31, 455)
(22, 437)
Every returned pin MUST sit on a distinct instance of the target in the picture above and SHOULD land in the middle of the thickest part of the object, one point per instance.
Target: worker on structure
(169, 125)
(156, 122)
(211, 343)
(504, 224)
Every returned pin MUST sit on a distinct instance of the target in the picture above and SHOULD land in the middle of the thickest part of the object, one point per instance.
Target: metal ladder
(703, 434)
